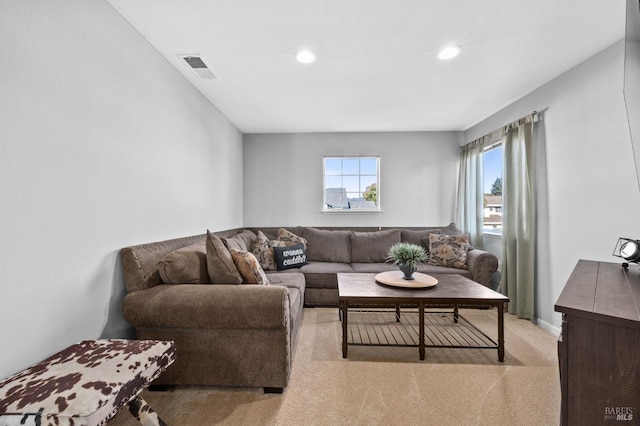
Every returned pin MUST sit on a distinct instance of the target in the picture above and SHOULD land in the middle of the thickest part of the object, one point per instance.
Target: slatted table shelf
(379, 327)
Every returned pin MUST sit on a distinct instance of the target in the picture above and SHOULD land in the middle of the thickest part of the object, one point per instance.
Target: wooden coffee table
(359, 290)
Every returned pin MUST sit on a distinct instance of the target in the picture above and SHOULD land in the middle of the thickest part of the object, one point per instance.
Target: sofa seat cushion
(425, 269)
(373, 267)
(295, 285)
(325, 268)
(323, 274)
(293, 279)
(433, 269)
(319, 274)
(372, 246)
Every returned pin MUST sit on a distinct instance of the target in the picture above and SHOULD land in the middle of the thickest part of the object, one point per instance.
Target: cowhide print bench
(86, 384)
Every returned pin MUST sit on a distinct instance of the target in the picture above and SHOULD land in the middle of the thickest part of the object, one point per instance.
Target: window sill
(493, 235)
(349, 211)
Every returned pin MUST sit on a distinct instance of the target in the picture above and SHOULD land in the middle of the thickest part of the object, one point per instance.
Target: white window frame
(350, 210)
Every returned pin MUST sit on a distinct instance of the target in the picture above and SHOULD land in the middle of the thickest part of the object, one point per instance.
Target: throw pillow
(186, 265)
(425, 241)
(448, 250)
(249, 267)
(220, 265)
(290, 238)
(372, 247)
(263, 250)
(290, 257)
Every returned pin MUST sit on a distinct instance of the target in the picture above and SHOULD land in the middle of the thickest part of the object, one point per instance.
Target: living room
(106, 145)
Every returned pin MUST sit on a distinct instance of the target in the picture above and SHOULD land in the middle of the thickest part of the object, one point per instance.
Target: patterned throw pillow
(448, 250)
(249, 267)
(290, 238)
(263, 250)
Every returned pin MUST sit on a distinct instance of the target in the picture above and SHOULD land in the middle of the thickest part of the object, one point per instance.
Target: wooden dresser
(599, 348)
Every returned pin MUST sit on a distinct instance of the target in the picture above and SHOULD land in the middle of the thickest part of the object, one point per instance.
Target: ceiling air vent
(197, 64)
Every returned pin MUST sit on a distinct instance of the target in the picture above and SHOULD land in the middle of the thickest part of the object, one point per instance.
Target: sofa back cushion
(140, 262)
(186, 265)
(242, 241)
(450, 229)
(328, 246)
(372, 247)
(418, 237)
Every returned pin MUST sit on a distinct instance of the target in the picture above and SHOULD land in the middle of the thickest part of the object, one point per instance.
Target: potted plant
(407, 257)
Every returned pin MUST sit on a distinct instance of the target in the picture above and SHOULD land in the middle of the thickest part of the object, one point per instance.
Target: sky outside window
(492, 167)
(353, 174)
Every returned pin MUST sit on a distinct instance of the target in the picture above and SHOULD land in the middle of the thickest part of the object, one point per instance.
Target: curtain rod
(501, 129)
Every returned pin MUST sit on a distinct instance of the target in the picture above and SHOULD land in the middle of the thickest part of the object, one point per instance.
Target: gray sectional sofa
(245, 335)
(331, 250)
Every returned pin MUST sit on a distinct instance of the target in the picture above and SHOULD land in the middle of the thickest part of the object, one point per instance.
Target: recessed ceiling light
(305, 56)
(449, 52)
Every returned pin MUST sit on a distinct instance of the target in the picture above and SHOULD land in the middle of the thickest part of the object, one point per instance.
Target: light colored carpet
(387, 385)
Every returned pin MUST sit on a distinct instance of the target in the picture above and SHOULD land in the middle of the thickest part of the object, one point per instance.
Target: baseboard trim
(548, 327)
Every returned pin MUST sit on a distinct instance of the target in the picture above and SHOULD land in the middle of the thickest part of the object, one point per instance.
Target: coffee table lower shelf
(380, 327)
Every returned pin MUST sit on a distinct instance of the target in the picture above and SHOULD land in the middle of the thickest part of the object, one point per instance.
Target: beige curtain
(470, 203)
(518, 217)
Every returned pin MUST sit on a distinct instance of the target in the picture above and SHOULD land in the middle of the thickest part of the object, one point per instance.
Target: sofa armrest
(208, 306)
(482, 264)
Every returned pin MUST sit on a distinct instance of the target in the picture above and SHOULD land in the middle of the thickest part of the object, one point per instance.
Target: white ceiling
(377, 68)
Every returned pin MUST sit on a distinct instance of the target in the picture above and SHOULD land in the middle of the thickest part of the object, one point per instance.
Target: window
(492, 165)
(351, 184)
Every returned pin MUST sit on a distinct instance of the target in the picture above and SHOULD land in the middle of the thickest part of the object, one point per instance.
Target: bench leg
(145, 415)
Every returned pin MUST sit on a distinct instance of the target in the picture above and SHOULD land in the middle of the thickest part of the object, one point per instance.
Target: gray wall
(283, 177)
(103, 144)
(589, 193)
